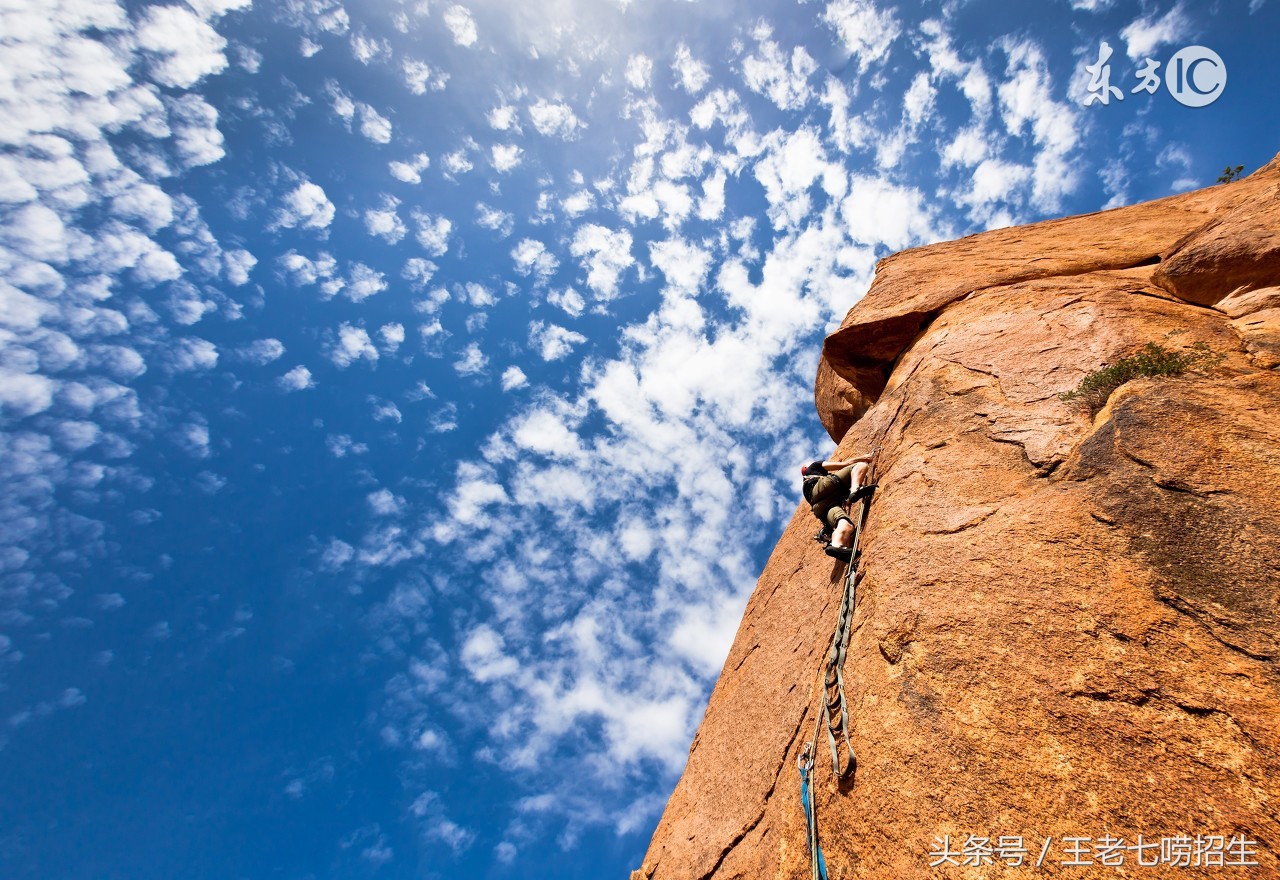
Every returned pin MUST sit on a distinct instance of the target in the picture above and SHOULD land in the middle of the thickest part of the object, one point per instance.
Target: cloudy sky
(398, 399)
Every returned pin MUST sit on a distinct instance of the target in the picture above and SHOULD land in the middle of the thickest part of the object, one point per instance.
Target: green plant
(1152, 359)
(1229, 174)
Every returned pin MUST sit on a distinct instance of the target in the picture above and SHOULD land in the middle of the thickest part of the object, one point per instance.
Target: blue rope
(817, 864)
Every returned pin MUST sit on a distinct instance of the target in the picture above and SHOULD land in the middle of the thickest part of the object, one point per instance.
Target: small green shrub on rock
(1151, 360)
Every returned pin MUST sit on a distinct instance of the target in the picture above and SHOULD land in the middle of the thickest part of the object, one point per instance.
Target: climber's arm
(836, 465)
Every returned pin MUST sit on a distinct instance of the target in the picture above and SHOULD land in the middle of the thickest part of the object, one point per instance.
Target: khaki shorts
(829, 495)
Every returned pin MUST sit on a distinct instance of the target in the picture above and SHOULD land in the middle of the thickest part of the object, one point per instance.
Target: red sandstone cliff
(1069, 625)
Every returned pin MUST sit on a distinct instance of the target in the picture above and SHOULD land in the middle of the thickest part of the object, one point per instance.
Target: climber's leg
(857, 474)
(841, 526)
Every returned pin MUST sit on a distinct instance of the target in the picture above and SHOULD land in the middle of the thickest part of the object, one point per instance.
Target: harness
(810, 481)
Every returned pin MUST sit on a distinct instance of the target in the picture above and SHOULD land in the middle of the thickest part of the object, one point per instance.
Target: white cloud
(19, 310)
(969, 147)
(578, 203)
(248, 59)
(484, 656)
(605, 254)
(555, 118)
(418, 272)
(639, 71)
(503, 118)
(411, 171)
(261, 351)
(1027, 102)
(690, 73)
(513, 378)
(336, 554)
(109, 601)
(304, 271)
(711, 204)
(297, 379)
(120, 247)
(531, 257)
(341, 445)
(471, 362)
(367, 49)
(433, 232)
(363, 282)
(866, 31)
(238, 263)
(437, 826)
(1115, 182)
(478, 295)
(785, 82)
(384, 503)
(383, 222)
(193, 353)
(1144, 35)
(792, 163)
(879, 212)
(461, 25)
(505, 157)
(144, 202)
(457, 162)
(209, 9)
(385, 411)
(194, 125)
(14, 188)
(444, 420)
(375, 127)
(552, 341)
(994, 185)
(353, 343)
(343, 104)
(569, 300)
(24, 394)
(420, 76)
(918, 103)
(495, 219)
(37, 231)
(305, 207)
(392, 336)
(183, 49)
(193, 437)
(120, 361)
(683, 265)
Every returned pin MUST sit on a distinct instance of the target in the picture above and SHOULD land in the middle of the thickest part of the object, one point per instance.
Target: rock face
(1068, 624)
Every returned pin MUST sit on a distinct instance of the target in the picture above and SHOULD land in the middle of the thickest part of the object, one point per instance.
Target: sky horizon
(399, 400)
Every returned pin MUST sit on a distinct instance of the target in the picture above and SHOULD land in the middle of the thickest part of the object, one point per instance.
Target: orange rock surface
(1069, 624)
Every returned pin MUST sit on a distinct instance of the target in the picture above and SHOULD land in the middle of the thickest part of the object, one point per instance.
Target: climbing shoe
(845, 553)
(863, 492)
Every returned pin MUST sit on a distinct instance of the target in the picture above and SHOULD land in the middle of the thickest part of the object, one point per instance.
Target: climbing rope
(835, 705)
(817, 864)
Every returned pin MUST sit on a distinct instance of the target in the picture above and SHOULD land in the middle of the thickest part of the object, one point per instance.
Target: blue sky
(398, 400)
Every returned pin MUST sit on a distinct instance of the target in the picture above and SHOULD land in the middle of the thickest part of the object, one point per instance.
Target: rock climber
(827, 486)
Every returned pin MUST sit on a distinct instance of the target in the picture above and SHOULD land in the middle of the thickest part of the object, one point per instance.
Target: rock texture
(1069, 624)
